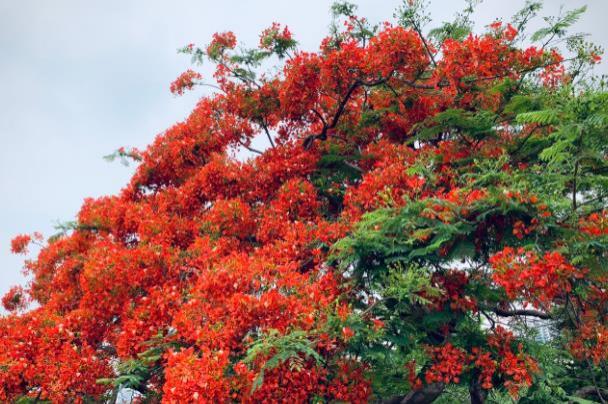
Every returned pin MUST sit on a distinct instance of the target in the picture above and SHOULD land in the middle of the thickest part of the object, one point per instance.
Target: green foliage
(198, 55)
(527, 12)
(33, 400)
(131, 374)
(343, 9)
(558, 26)
(250, 57)
(124, 156)
(135, 373)
(459, 28)
(454, 394)
(293, 348)
(413, 14)
(335, 170)
(408, 285)
(545, 117)
(362, 30)
(469, 126)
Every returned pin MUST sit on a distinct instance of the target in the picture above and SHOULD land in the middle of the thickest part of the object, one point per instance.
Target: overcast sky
(78, 79)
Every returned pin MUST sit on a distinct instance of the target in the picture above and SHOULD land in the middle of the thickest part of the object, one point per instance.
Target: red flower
(276, 39)
(538, 279)
(15, 299)
(378, 324)
(185, 81)
(220, 43)
(208, 253)
(347, 333)
(19, 244)
(447, 364)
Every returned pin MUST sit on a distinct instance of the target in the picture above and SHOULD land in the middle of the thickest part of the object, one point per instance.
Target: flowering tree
(424, 203)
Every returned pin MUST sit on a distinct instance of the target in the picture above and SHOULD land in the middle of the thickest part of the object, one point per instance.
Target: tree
(424, 204)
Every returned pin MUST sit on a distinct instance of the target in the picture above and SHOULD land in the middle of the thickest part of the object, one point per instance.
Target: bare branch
(522, 312)
(426, 394)
(251, 149)
(265, 127)
(334, 122)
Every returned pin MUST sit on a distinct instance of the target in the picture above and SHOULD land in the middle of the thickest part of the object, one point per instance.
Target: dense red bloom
(41, 350)
(15, 299)
(221, 43)
(185, 81)
(596, 224)
(537, 279)
(413, 379)
(347, 333)
(19, 244)
(516, 367)
(196, 379)
(447, 364)
(590, 341)
(486, 365)
(452, 284)
(221, 279)
(275, 38)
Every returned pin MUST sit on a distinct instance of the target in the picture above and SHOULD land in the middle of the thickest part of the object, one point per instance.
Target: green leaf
(545, 117)
(279, 349)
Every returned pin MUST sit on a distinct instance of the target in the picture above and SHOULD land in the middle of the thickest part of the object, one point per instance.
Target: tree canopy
(428, 221)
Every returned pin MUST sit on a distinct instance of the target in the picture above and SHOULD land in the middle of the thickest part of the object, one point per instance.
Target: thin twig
(251, 149)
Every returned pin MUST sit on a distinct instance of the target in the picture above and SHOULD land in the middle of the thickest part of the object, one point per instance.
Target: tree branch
(589, 391)
(251, 149)
(317, 113)
(334, 122)
(265, 127)
(525, 139)
(522, 312)
(425, 395)
(424, 42)
(477, 393)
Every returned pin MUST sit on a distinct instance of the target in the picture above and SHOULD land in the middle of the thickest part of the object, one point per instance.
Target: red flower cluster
(520, 229)
(45, 352)
(196, 378)
(486, 365)
(516, 368)
(185, 81)
(15, 299)
(223, 40)
(596, 224)
(538, 279)
(19, 244)
(276, 39)
(211, 252)
(452, 284)
(412, 377)
(591, 340)
(448, 363)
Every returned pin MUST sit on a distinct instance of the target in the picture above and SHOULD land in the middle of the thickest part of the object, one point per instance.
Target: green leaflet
(292, 348)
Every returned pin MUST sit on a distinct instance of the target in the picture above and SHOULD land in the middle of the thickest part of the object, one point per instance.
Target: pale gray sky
(78, 79)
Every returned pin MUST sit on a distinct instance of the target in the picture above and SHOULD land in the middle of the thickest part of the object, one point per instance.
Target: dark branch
(522, 312)
(317, 113)
(352, 166)
(251, 149)
(265, 127)
(589, 391)
(425, 395)
(477, 393)
(427, 48)
(334, 122)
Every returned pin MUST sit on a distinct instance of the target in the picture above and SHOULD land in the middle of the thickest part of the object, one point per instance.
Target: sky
(79, 79)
